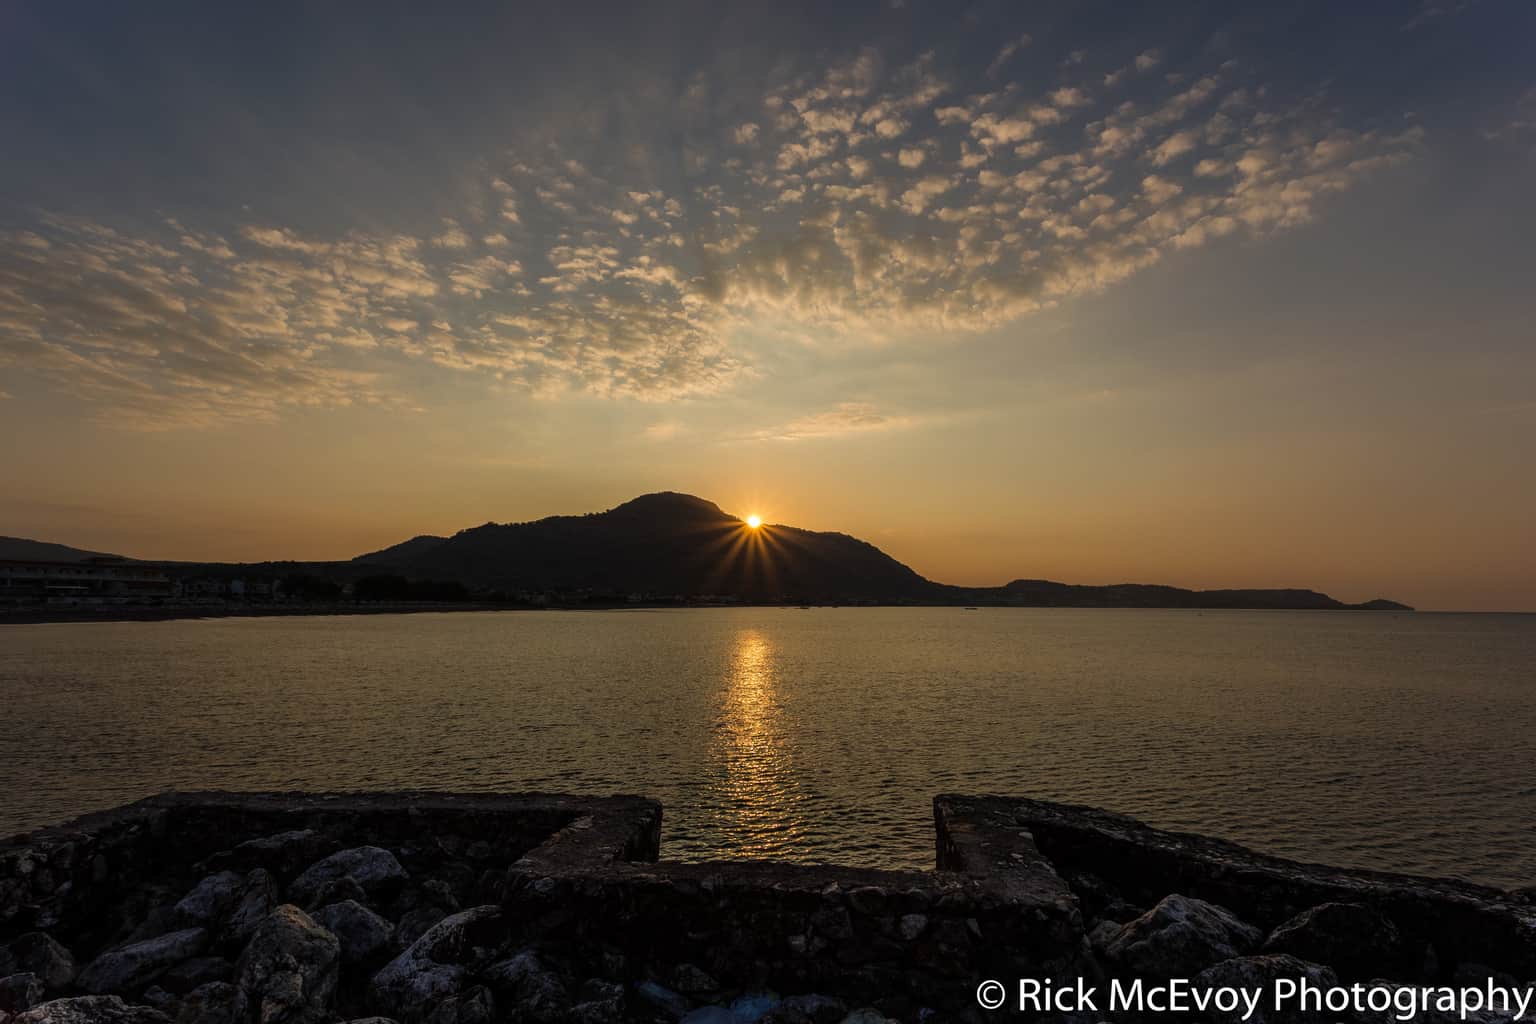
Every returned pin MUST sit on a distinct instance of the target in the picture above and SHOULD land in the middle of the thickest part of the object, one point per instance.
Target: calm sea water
(1403, 742)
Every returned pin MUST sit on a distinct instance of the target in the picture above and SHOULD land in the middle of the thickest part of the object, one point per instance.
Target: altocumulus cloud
(866, 201)
(843, 419)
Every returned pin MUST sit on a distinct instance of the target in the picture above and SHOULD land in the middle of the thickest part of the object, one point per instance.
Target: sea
(1403, 742)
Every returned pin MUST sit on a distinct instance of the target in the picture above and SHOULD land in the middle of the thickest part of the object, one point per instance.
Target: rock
(600, 991)
(195, 973)
(288, 972)
(20, 992)
(692, 980)
(415, 923)
(432, 969)
(711, 1015)
(1101, 934)
(472, 1006)
(663, 998)
(532, 988)
(817, 1008)
(1179, 938)
(596, 1012)
(90, 1010)
(755, 1005)
(1478, 975)
(209, 900)
(258, 898)
(1356, 940)
(437, 893)
(284, 853)
(363, 935)
(37, 953)
(161, 1000)
(372, 867)
(867, 899)
(217, 1002)
(912, 925)
(866, 1016)
(132, 966)
(1259, 973)
(339, 890)
(599, 1002)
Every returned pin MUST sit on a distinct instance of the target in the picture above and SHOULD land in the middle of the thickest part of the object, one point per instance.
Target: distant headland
(657, 550)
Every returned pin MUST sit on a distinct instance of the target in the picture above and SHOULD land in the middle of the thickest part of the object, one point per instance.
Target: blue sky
(1254, 277)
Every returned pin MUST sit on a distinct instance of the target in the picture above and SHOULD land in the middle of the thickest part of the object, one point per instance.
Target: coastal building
(93, 581)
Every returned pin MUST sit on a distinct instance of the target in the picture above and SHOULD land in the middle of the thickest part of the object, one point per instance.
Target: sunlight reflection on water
(756, 791)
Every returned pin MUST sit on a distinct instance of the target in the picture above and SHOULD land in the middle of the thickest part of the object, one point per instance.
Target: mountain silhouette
(669, 547)
(22, 550)
(678, 545)
(665, 544)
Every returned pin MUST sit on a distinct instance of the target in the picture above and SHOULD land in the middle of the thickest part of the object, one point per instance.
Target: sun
(754, 521)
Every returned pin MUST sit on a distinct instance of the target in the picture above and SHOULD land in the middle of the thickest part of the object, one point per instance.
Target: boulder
(693, 980)
(363, 935)
(432, 968)
(258, 898)
(20, 992)
(530, 988)
(37, 953)
(195, 973)
(209, 900)
(161, 1000)
(474, 1005)
(217, 1002)
(817, 1009)
(339, 890)
(284, 853)
(415, 923)
(1179, 938)
(866, 1016)
(90, 1010)
(1356, 940)
(711, 1015)
(288, 972)
(1259, 973)
(663, 998)
(136, 965)
(753, 1006)
(373, 868)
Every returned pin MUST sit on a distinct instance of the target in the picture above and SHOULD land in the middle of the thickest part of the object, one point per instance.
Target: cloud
(663, 430)
(861, 202)
(845, 419)
(1006, 54)
(1433, 10)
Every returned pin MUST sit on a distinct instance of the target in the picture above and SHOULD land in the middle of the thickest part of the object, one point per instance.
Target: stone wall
(467, 909)
(1108, 860)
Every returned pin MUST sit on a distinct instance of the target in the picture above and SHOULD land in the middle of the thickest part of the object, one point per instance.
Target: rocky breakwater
(1158, 905)
(455, 909)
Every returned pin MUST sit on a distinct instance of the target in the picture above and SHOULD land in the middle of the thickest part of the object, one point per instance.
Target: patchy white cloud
(1433, 10)
(861, 202)
(1006, 54)
(663, 430)
(844, 419)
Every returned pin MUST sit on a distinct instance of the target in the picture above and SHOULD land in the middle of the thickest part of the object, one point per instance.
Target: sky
(1206, 294)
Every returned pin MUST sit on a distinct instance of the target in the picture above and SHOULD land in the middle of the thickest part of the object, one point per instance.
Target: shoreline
(129, 613)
